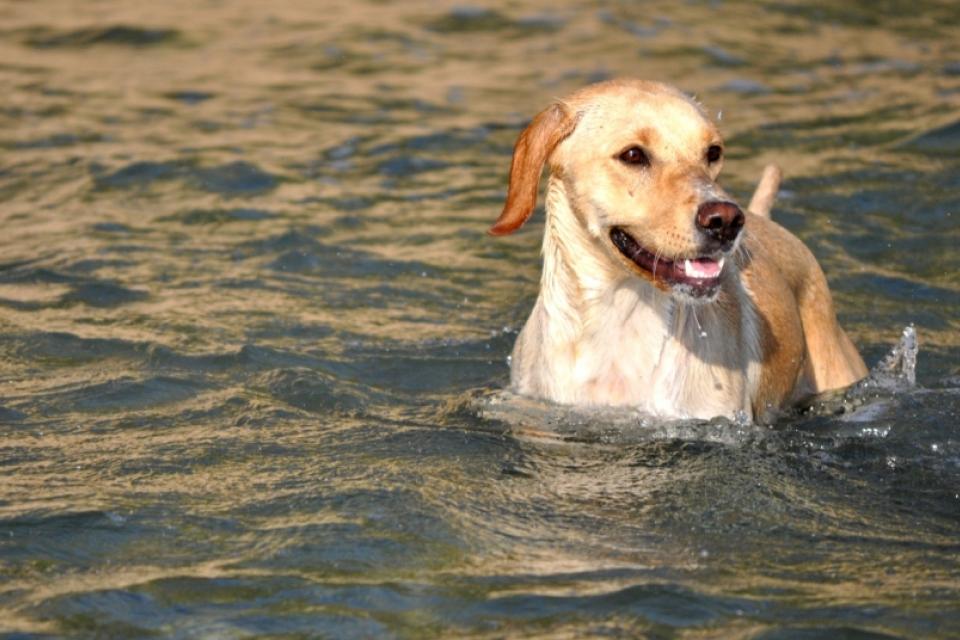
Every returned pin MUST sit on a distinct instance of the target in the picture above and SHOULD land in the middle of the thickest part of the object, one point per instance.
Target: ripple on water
(299, 251)
(54, 350)
(403, 166)
(237, 178)
(226, 606)
(219, 216)
(102, 294)
(189, 96)
(312, 390)
(454, 141)
(60, 140)
(940, 141)
(248, 309)
(823, 633)
(75, 539)
(671, 606)
(118, 35)
(468, 19)
(66, 289)
(125, 393)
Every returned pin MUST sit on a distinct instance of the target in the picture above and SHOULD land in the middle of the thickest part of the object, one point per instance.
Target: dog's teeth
(703, 268)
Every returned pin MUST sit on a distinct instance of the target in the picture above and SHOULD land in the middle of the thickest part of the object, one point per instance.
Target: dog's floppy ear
(533, 147)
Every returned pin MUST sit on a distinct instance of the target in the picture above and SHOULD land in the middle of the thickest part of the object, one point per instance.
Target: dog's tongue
(703, 268)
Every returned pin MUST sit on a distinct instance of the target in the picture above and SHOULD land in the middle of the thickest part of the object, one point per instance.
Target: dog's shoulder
(770, 248)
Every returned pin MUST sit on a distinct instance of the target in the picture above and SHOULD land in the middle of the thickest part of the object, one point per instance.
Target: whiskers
(741, 253)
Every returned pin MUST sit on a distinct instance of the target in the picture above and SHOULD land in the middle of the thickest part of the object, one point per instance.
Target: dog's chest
(672, 361)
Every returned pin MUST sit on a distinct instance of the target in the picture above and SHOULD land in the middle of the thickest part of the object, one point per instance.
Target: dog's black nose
(720, 221)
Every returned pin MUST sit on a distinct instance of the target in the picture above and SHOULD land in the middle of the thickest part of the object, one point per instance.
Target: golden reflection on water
(284, 86)
(267, 64)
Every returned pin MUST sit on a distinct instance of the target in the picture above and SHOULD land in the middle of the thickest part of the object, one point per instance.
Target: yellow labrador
(658, 291)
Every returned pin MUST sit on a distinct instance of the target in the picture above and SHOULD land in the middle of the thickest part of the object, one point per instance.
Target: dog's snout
(720, 221)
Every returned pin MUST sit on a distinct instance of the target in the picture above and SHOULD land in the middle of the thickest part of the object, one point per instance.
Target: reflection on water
(247, 303)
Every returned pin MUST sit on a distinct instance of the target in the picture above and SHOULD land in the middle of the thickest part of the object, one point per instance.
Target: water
(249, 314)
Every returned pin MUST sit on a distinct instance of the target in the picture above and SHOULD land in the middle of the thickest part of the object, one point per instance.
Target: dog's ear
(533, 147)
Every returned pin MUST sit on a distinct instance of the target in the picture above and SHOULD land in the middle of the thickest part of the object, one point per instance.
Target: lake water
(248, 306)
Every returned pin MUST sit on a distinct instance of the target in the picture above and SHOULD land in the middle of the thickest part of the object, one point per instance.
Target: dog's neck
(589, 299)
(600, 335)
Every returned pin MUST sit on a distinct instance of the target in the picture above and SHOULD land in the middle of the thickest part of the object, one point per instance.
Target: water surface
(247, 300)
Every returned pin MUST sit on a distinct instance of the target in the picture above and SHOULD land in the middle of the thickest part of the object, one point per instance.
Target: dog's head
(639, 163)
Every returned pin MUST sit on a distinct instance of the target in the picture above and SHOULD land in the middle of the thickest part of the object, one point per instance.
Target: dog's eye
(635, 155)
(714, 153)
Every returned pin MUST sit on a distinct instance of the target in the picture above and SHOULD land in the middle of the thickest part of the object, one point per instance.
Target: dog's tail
(766, 192)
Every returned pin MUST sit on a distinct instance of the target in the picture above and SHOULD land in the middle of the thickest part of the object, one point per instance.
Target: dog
(658, 292)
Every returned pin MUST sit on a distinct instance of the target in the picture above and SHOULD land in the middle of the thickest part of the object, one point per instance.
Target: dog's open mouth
(699, 277)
